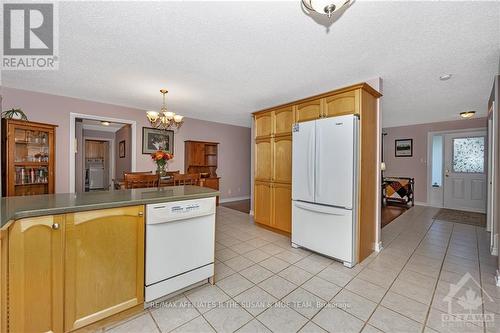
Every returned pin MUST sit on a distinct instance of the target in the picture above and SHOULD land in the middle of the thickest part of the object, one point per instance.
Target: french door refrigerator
(324, 176)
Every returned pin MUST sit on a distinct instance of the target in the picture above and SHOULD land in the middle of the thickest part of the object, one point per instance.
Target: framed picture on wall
(403, 148)
(121, 149)
(154, 139)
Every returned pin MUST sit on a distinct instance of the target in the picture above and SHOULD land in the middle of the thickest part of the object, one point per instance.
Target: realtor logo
(29, 36)
(465, 301)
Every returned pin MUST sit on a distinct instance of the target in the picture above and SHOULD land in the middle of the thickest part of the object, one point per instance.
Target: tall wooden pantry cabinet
(273, 157)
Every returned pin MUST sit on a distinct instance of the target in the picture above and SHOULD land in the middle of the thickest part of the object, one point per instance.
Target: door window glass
(437, 160)
(468, 155)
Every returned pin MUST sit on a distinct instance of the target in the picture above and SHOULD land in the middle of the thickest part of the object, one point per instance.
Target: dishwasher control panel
(171, 211)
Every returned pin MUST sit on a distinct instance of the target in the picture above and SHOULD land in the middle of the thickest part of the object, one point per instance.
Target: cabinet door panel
(36, 286)
(198, 154)
(212, 183)
(263, 203)
(308, 110)
(263, 124)
(342, 104)
(283, 120)
(263, 159)
(282, 207)
(282, 153)
(104, 264)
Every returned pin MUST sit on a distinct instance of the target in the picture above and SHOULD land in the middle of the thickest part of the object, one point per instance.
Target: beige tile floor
(264, 285)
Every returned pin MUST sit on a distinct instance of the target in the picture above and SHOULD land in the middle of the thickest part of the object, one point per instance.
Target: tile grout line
(390, 286)
(480, 280)
(439, 275)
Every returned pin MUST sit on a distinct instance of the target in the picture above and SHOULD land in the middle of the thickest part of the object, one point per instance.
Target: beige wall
(234, 149)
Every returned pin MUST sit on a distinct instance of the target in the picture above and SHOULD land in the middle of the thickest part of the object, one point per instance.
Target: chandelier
(327, 7)
(165, 120)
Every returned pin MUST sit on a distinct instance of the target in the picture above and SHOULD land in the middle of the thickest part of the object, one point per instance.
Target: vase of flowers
(161, 158)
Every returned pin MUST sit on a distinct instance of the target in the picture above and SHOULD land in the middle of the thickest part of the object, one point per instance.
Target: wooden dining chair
(186, 179)
(141, 180)
(172, 173)
(125, 173)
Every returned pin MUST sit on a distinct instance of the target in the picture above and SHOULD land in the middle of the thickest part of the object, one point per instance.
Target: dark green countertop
(13, 208)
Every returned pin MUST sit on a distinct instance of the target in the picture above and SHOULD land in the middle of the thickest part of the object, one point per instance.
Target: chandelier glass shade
(165, 120)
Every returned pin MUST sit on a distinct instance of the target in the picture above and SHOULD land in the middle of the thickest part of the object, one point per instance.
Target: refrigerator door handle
(317, 208)
(317, 153)
(310, 175)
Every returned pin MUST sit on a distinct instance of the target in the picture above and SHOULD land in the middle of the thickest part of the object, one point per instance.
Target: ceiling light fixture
(165, 120)
(326, 7)
(445, 77)
(467, 114)
(105, 123)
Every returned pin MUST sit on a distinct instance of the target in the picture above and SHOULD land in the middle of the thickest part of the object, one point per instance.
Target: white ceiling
(96, 125)
(223, 60)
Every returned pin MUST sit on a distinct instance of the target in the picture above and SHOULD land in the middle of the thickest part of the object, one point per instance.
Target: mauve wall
(416, 166)
(234, 148)
(123, 164)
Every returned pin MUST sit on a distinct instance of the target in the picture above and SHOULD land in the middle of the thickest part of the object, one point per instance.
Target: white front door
(465, 171)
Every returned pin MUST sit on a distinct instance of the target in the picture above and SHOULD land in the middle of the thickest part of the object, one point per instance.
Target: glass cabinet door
(31, 161)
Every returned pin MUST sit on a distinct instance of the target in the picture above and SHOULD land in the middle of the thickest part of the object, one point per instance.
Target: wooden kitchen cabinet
(262, 209)
(273, 166)
(342, 104)
(35, 277)
(273, 205)
(95, 149)
(309, 110)
(263, 159)
(104, 255)
(283, 121)
(263, 125)
(282, 207)
(282, 157)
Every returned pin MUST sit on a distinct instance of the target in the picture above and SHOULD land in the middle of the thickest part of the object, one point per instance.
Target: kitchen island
(71, 260)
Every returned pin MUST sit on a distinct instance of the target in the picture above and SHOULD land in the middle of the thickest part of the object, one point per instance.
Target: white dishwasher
(180, 243)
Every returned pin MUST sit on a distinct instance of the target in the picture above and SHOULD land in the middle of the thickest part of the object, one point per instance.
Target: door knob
(55, 226)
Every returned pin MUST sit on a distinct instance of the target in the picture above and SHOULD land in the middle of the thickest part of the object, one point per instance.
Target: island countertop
(14, 208)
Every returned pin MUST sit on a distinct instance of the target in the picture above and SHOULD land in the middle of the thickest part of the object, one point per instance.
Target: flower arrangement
(161, 157)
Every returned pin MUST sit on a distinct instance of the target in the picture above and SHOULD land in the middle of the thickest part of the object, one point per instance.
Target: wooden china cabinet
(201, 157)
(28, 157)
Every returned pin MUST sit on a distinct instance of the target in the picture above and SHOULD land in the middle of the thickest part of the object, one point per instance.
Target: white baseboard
(378, 247)
(234, 199)
(251, 212)
(422, 203)
(497, 278)
(494, 246)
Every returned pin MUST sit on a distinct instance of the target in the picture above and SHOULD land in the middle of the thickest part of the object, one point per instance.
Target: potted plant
(161, 158)
(14, 114)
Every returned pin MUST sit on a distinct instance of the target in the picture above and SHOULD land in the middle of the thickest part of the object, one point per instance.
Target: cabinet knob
(140, 214)
(55, 226)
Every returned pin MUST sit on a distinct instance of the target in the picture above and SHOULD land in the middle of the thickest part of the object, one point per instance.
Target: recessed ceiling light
(445, 77)
(467, 114)
(105, 123)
